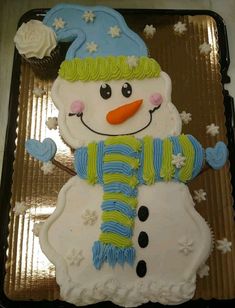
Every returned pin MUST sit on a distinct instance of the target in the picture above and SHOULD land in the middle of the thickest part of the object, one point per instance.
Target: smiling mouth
(80, 115)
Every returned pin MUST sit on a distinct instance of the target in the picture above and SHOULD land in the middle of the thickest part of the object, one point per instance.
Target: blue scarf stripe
(120, 149)
(157, 162)
(122, 168)
(118, 206)
(117, 187)
(117, 228)
(199, 155)
(81, 155)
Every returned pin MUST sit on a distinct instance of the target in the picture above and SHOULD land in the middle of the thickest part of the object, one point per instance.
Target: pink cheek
(77, 106)
(156, 99)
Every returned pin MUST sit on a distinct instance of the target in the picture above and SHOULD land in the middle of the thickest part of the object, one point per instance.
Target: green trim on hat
(108, 68)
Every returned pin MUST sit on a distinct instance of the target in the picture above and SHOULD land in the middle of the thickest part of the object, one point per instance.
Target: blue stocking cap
(94, 31)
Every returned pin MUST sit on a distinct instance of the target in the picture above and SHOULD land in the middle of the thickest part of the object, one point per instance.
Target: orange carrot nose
(122, 113)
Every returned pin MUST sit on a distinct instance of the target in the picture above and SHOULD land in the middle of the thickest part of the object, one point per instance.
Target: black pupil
(126, 89)
(105, 91)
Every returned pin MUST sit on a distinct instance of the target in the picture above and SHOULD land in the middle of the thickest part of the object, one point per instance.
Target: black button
(143, 239)
(141, 268)
(143, 213)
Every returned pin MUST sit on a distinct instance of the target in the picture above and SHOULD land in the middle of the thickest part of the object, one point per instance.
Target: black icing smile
(80, 115)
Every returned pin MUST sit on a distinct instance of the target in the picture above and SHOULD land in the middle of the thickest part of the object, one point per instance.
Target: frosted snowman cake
(125, 228)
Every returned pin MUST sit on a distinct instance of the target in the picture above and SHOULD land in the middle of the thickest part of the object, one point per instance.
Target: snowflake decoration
(178, 160)
(75, 257)
(52, 122)
(58, 23)
(89, 217)
(185, 246)
(114, 31)
(205, 48)
(149, 31)
(47, 168)
(36, 228)
(38, 92)
(199, 195)
(132, 61)
(224, 245)
(88, 16)
(20, 208)
(185, 117)
(91, 47)
(203, 271)
(212, 129)
(180, 27)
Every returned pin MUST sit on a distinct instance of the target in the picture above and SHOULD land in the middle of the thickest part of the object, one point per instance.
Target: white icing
(74, 257)
(199, 195)
(178, 160)
(132, 61)
(212, 129)
(114, 31)
(185, 245)
(34, 39)
(185, 117)
(205, 48)
(203, 271)
(36, 228)
(180, 27)
(58, 23)
(149, 31)
(224, 245)
(52, 122)
(89, 217)
(91, 47)
(47, 168)
(88, 16)
(38, 92)
(20, 208)
(165, 121)
(170, 277)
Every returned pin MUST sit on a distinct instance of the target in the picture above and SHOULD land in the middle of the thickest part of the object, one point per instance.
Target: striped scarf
(120, 164)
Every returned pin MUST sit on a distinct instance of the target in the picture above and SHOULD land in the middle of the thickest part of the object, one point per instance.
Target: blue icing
(217, 156)
(157, 157)
(81, 32)
(80, 161)
(117, 228)
(43, 151)
(120, 149)
(118, 206)
(199, 156)
(117, 187)
(123, 168)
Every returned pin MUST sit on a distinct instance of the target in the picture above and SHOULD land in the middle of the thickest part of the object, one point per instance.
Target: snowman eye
(126, 89)
(105, 91)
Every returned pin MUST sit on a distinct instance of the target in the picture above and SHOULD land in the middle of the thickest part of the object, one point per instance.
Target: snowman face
(94, 110)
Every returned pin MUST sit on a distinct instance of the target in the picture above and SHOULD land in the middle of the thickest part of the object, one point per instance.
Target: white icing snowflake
(114, 31)
(178, 160)
(203, 271)
(38, 92)
(224, 245)
(47, 168)
(185, 246)
(75, 257)
(205, 48)
(149, 31)
(185, 117)
(58, 23)
(91, 47)
(88, 16)
(199, 195)
(20, 208)
(180, 27)
(212, 129)
(52, 122)
(89, 217)
(36, 228)
(132, 61)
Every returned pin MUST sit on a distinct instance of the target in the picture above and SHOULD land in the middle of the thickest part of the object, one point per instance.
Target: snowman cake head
(107, 85)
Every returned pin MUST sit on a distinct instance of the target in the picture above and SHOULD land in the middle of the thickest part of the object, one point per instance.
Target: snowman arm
(63, 167)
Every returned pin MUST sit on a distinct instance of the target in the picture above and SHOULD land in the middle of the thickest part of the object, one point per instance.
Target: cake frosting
(125, 228)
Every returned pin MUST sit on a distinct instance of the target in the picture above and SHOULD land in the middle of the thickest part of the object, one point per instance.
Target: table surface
(12, 10)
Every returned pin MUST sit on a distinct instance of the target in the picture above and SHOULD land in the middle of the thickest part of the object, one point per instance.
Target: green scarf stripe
(148, 168)
(115, 239)
(132, 201)
(121, 178)
(118, 217)
(92, 163)
(130, 141)
(133, 162)
(186, 171)
(167, 170)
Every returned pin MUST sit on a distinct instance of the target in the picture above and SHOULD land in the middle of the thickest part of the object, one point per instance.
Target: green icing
(108, 68)
(92, 162)
(148, 168)
(115, 239)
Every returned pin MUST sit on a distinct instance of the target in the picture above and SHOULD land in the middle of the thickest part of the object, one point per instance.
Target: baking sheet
(197, 87)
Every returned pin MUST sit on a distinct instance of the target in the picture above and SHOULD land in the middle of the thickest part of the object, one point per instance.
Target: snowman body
(171, 240)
